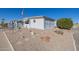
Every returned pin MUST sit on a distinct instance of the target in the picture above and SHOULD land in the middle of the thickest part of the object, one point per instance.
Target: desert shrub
(59, 32)
(19, 27)
(65, 23)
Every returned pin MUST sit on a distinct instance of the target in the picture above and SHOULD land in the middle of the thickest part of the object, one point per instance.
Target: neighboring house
(38, 22)
(12, 24)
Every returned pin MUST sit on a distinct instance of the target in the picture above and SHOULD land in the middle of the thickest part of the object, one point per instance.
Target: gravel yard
(40, 40)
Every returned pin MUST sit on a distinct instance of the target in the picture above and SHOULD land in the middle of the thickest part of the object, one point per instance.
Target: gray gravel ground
(40, 40)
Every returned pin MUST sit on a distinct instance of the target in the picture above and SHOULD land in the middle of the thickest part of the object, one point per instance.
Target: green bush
(65, 23)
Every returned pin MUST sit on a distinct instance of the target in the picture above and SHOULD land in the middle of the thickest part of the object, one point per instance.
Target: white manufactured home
(38, 22)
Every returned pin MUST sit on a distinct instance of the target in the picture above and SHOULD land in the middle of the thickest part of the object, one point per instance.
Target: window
(34, 21)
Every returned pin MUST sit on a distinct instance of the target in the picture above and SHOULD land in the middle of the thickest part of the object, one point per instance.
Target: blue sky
(55, 13)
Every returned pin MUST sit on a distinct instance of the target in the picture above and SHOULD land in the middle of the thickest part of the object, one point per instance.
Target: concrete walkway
(4, 43)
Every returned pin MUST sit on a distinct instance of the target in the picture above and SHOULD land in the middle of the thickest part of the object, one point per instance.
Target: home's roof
(37, 17)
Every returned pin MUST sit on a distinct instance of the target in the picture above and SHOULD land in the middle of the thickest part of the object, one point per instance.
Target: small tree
(3, 24)
(65, 23)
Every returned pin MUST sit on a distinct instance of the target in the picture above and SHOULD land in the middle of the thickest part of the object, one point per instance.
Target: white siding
(49, 24)
(37, 23)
